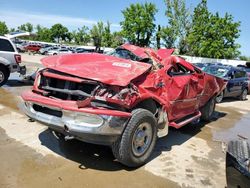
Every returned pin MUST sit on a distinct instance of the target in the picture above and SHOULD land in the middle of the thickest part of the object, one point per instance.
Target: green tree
(138, 24)
(213, 36)
(12, 30)
(59, 32)
(117, 39)
(97, 35)
(26, 27)
(168, 36)
(3, 28)
(158, 37)
(244, 58)
(29, 27)
(107, 36)
(22, 27)
(179, 24)
(81, 36)
(43, 34)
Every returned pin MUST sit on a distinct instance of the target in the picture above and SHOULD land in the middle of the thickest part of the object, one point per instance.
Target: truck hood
(103, 68)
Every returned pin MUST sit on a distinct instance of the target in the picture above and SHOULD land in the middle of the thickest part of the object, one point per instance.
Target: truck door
(182, 91)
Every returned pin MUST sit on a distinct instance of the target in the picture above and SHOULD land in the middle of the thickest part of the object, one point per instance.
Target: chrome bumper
(97, 129)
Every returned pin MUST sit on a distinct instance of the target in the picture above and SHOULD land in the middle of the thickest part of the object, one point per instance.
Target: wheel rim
(219, 97)
(244, 96)
(142, 139)
(1, 77)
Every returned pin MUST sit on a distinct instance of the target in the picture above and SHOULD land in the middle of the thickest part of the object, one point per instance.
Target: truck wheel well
(148, 104)
(6, 68)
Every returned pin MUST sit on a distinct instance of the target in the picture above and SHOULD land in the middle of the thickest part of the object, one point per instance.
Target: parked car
(32, 48)
(238, 164)
(46, 45)
(20, 47)
(84, 51)
(125, 104)
(44, 51)
(247, 69)
(202, 66)
(9, 60)
(237, 85)
(59, 51)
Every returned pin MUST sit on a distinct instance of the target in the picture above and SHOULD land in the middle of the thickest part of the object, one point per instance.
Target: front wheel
(4, 75)
(243, 95)
(137, 142)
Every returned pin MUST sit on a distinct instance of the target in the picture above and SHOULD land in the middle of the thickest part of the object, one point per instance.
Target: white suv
(9, 60)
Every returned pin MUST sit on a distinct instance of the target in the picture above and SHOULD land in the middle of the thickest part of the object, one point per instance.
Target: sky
(77, 13)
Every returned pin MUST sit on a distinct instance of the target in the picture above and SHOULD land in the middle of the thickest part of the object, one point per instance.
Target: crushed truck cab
(123, 99)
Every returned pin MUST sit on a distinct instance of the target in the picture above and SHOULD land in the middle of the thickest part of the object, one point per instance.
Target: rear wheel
(208, 110)
(137, 142)
(4, 75)
(243, 95)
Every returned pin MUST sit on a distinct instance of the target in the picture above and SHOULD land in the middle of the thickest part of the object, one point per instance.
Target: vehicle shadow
(231, 99)
(177, 137)
(90, 156)
(18, 83)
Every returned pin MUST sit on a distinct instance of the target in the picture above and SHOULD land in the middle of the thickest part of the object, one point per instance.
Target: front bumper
(92, 128)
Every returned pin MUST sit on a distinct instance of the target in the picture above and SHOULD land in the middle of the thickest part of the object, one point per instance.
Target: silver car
(60, 51)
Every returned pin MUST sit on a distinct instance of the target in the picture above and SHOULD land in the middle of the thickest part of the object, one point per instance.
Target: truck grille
(64, 89)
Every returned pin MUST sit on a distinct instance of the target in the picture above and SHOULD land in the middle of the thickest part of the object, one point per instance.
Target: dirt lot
(190, 157)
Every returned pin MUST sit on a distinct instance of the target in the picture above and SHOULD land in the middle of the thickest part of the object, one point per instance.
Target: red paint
(62, 77)
(32, 47)
(164, 53)
(102, 68)
(69, 105)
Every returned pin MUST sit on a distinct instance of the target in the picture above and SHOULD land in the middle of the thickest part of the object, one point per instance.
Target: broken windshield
(217, 70)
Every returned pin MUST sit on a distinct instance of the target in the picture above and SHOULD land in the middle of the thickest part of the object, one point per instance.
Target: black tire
(142, 129)
(208, 110)
(219, 97)
(237, 167)
(243, 95)
(4, 75)
(54, 53)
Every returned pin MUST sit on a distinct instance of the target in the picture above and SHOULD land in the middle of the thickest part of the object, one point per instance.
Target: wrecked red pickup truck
(124, 99)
